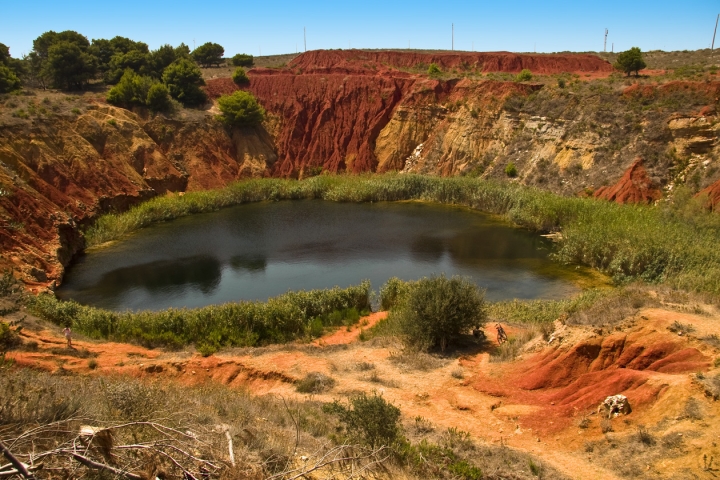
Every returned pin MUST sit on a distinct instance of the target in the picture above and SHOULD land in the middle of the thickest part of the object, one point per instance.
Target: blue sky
(276, 26)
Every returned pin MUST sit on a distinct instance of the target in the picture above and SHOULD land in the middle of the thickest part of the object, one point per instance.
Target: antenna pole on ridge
(305, 38)
(712, 46)
(605, 42)
(452, 45)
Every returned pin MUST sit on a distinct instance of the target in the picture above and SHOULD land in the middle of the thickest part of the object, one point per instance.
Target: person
(501, 335)
(68, 334)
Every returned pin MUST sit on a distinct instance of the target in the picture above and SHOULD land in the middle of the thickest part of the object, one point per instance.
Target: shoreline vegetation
(672, 244)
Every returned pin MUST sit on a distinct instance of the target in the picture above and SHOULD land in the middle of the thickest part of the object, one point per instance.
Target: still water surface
(260, 250)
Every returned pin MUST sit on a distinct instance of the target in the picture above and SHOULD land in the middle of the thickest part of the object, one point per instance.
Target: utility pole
(305, 38)
(453, 37)
(605, 42)
(712, 47)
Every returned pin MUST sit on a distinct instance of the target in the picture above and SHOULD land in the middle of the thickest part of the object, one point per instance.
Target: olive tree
(435, 309)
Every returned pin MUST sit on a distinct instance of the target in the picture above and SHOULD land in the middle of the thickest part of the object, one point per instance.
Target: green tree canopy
(4, 54)
(183, 79)
(160, 59)
(240, 77)
(42, 44)
(630, 61)
(243, 60)
(141, 90)
(241, 109)
(69, 66)
(135, 60)
(209, 54)
(435, 309)
(8, 80)
(104, 50)
(158, 98)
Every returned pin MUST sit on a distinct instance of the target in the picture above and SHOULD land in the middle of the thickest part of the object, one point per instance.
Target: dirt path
(491, 401)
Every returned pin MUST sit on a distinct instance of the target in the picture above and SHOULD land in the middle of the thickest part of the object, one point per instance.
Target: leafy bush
(242, 60)
(8, 80)
(433, 69)
(132, 89)
(368, 419)
(524, 76)
(241, 109)
(511, 170)
(240, 77)
(158, 98)
(183, 79)
(209, 54)
(9, 337)
(438, 308)
(630, 61)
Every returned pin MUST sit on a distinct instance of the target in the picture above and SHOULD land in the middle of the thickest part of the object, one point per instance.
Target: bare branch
(19, 466)
(101, 466)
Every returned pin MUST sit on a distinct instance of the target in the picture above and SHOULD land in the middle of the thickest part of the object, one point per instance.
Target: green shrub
(8, 80)
(9, 337)
(438, 308)
(240, 77)
(8, 283)
(241, 109)
(511, 170)
(158, 98)
(242, 60)
(524, 76)
(368, 419)
(433, 69)
(183, 79)
(132, 89)
(278, 320)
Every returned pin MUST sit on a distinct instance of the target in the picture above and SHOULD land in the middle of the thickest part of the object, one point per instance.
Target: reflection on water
(261, 250)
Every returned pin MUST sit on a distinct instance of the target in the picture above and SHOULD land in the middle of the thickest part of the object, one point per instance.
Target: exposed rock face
(633, 187)
(355, 111)
(326, 60)
(58, 174)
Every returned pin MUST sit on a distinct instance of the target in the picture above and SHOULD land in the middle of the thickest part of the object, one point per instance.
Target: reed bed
(287, 317)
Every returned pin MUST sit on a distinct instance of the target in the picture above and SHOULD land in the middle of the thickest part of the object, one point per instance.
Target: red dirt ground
(532, 404)
(476, 61)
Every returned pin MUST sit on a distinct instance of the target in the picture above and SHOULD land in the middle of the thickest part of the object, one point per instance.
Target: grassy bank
(675, 245)
(286, 317)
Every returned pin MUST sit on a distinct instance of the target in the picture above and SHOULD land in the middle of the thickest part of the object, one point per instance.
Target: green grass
(286, 317)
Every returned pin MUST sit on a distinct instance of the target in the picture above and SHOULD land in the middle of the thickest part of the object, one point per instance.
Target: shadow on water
(201, 273)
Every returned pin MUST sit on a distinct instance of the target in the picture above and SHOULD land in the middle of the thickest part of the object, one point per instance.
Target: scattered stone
(615, 405)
